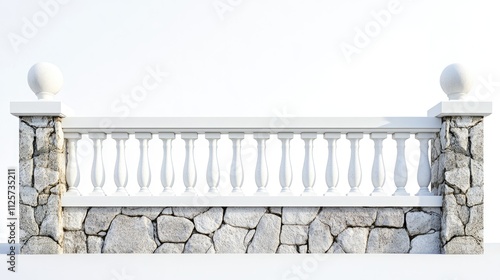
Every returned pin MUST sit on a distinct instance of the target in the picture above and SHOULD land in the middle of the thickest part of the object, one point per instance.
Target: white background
(252, 58)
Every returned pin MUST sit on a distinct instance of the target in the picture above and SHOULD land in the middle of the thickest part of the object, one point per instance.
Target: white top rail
(251, 124)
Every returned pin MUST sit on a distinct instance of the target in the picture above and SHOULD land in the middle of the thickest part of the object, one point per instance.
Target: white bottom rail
(252, 201)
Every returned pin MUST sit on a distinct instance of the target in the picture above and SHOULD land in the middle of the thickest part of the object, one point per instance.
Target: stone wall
(457, 168)
(252, 230)
(42, 183)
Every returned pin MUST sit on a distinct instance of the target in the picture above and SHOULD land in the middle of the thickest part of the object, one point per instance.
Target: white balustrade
(213, 172)
(332, 168)
(354, 175)
(261, 172)
(143, 170)
(72, 169)
(378, 169)
(167, 174)
(98, 174)
(189, 174)
(286, 174)
(236, 173)
(400, 169)
(424, 168)
(308, 171)
(121, 172)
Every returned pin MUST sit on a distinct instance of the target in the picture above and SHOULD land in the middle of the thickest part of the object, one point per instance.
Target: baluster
(354, 164)
(308, 171)
(286, 174)
(167, 167)
(378, 169)
(332, 168)
(261, 172)
(72, 169)
(424, 168)
(213, 173)
(189, 164)
(143, 170)
(121, 172)
(236, 173)
(400, 169)
(98, 174)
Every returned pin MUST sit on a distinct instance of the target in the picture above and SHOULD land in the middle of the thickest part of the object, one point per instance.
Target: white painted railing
(190, 129)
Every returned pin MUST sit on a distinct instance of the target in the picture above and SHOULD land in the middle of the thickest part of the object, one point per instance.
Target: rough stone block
(94, 244)
(174, 229)
(198, 243)
(45, 140)
(26, 141)
(246, 217)
(387, 240)
(459, 177)
(28, 196)
(475, 196)
(299, 215)
(390, 217)
(267, 235)
(99, 219)
(26, 173)
(294, 234)
(353, 240)
(39, 121)
(73, 218)
(450, 223)
(27, 224)
(477, 173)
(75, 242)
(460, 140)
(426, 244)
(130, 235)
(463, 245)
(477, 142)
(229, 239)
(418, 222)
(465, 121)
(475, 226)
(320, 238)
(41, 245)
(52, 226)
(209, 221)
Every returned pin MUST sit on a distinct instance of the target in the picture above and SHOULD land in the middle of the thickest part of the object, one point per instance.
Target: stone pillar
(42, 169)
(457, 164)
(42, 160)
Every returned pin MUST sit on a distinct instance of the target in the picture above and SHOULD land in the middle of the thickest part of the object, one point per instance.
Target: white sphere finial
(45, 80)
(456, 81)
